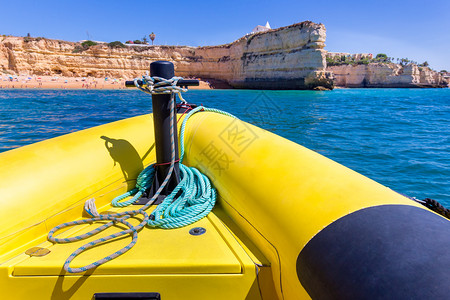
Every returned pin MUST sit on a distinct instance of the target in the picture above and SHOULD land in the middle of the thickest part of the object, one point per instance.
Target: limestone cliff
(290, 57)
(386, 75)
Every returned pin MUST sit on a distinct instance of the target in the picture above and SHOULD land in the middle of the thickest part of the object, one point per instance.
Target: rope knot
(159, 85)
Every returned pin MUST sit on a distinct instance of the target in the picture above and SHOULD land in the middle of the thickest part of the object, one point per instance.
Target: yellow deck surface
(171, 262)
(158, 251)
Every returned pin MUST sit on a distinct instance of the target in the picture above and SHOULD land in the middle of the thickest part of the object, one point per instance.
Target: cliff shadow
(123, 153)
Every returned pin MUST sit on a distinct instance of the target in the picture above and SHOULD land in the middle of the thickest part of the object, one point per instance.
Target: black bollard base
(157, 181)
(163, 140)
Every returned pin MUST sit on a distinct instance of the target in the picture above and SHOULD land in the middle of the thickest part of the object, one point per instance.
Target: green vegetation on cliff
(339, 60)
(352, 60)
(84, 46)
(116, 44)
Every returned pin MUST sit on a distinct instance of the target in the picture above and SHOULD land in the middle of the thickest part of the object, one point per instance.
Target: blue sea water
(398, 137)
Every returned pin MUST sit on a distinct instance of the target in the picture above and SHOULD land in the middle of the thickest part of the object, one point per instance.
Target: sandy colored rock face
(386, 75)
(281, 58)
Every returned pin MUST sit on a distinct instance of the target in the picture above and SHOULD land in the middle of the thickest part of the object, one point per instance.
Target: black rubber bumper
(382, 252)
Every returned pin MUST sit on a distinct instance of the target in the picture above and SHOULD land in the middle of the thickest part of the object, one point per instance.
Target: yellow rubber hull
(275, 196)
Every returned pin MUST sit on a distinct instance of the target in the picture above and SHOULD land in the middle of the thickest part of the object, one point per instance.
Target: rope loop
(159, 85)
(144, 180)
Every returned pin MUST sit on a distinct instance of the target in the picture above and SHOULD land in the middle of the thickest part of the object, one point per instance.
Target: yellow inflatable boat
(288, 223)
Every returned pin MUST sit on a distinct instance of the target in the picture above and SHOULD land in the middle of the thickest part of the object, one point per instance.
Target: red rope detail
(166, 163)
(189, 108)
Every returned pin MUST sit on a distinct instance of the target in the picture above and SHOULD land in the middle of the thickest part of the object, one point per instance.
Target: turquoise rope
(196, 110)
(198, 196)
(196, 199)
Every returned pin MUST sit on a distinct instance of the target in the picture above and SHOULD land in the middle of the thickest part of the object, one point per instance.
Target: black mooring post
(161, 121)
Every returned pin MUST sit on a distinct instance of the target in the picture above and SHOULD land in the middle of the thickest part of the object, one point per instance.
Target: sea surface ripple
(398, 137)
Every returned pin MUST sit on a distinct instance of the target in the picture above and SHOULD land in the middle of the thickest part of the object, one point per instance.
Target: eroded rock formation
(384, 75)
(290, 57)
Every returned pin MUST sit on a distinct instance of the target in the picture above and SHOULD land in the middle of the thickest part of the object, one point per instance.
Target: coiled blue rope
(195, 201)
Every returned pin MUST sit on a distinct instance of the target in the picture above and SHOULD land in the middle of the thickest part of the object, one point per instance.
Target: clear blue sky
(418, 30)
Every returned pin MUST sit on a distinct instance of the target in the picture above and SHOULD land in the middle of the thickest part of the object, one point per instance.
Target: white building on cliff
(261, 28)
